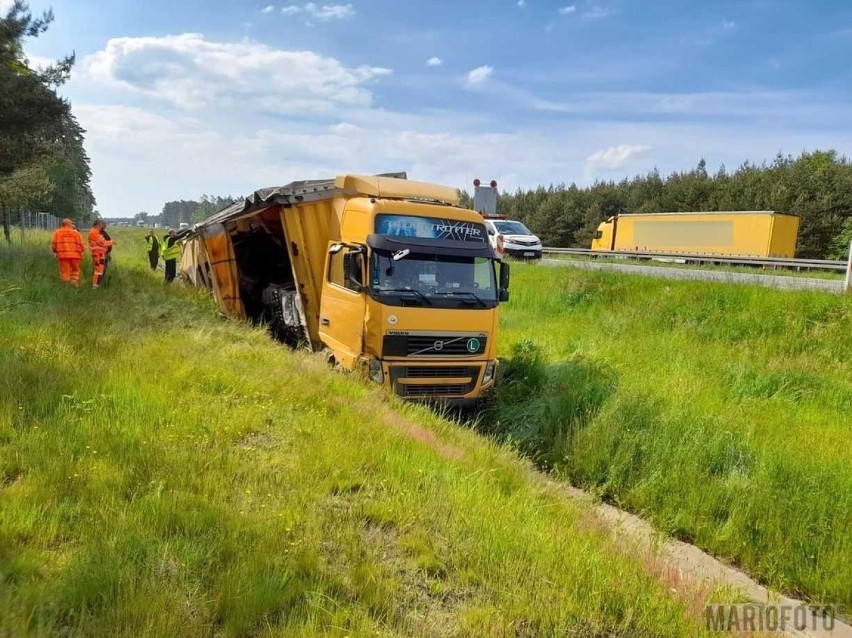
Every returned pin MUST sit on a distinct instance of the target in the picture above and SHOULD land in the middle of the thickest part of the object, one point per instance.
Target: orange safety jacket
(67, 243)
(97, 244)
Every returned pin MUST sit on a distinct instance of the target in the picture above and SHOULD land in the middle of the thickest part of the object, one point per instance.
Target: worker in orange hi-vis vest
(98, 246)
(67, 245)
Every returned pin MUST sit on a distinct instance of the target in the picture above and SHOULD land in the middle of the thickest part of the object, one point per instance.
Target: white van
(512, 238)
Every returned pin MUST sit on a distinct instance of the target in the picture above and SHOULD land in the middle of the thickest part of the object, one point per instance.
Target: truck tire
(271, 298)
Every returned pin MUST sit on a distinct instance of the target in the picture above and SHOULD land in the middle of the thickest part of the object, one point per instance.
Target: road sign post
(848, 286)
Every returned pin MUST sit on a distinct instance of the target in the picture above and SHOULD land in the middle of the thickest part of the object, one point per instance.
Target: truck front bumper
(519, 252)
(446, 382)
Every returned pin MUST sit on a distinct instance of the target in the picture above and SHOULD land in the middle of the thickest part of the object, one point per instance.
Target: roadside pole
(848, 286)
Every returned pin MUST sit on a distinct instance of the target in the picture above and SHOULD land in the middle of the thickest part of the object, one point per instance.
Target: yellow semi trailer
(387, 274)
(733, 233)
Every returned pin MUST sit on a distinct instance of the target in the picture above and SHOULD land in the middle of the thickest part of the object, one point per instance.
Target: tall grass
(166, 472)
(722, 412)
(815, 273)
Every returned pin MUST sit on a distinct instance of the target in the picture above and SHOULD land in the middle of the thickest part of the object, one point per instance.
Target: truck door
(344, 302)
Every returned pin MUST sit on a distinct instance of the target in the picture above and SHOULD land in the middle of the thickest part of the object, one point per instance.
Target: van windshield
(433, 280)
(512, 228)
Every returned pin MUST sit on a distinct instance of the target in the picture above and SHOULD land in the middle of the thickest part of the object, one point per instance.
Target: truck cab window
(345, 268)
(336, 268)
(447, 281)
(353, 265)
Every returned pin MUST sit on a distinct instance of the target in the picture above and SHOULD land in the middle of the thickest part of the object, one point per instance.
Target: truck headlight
(489, 372)
(376, 373)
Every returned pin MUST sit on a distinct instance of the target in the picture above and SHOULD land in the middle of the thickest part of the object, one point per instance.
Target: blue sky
(192, 97)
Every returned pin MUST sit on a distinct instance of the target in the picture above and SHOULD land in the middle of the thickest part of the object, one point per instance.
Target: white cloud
(335, 12)
(322, 13)
(479, 75)
(345, 128)
(795, 110)
(251, 115)
(178, 156)
(191, 72)
(434, 61)
(37, 62)
(522, 3)
(122, 122)
(5, 5)
(614, 157)
(728, 25)
(597, 12)
(571, 8)
(268, 8)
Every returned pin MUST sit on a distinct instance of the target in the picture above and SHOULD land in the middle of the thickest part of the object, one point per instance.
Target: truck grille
(433, 345)
(455, 390)
(399, 374)
(416, 372)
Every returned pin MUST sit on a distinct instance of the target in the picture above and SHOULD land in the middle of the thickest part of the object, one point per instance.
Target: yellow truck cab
(388, 274)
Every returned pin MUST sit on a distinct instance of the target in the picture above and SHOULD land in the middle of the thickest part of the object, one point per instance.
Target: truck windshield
(512, 228)
(433, 280)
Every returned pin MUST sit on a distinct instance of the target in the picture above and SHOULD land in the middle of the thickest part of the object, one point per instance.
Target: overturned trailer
(386, 273)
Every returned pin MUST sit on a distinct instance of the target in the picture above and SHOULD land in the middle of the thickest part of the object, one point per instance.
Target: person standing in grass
(105, 235)
(67, 245)
(153, 243)
(171, 252)
(98, 246)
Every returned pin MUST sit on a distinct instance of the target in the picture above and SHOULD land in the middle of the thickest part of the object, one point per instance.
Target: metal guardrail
(804, 264)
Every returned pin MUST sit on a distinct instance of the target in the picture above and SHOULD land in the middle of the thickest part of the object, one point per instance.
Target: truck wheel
(329, 358)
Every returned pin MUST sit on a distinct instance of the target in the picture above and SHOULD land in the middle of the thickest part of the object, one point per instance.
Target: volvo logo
(438, 346)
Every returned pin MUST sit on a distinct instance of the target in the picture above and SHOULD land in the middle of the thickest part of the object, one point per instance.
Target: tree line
(815, 186)
(43, 163)
(188, 211)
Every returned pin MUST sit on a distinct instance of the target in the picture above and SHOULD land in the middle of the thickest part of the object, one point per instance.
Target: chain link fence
(24, 225)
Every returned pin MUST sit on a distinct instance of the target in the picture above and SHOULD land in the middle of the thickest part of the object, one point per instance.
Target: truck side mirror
(492, 232)
(503, 294)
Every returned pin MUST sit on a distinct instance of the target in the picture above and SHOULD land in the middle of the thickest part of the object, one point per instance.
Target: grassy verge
(719, 411)
(166, 472)
(814, 273)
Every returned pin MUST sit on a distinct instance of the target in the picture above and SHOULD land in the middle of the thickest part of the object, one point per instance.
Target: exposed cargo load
(386, 273)
(732, 233)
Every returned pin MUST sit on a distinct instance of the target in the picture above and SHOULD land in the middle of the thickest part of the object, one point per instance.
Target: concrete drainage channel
(696, 565)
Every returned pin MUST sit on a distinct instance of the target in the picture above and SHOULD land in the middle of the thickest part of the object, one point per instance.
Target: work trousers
(171, 270)
(153, 258)
(99, 268)
(69, 270)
